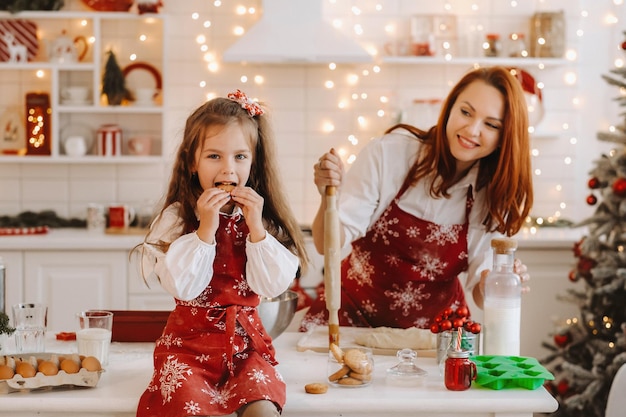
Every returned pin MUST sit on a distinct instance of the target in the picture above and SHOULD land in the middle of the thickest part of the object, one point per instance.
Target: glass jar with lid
(492, 45)
(516, 47)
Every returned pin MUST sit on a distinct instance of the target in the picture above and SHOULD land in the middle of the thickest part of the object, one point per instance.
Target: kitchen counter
(70, 239)
(81, 239)
(130, 368)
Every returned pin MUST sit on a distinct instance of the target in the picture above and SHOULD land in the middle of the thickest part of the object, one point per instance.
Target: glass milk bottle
(503, 299)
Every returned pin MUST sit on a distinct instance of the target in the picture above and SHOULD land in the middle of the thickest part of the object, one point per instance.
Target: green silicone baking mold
(499, 372)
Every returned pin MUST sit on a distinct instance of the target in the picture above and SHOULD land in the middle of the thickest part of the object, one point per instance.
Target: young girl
(224, 238)
(420, 208)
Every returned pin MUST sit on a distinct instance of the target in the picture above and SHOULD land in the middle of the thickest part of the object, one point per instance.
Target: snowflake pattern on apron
(214, 354)
(401, 274)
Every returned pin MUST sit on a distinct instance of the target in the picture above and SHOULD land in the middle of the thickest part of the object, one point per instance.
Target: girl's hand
(328, 171)
(208, 208)
(251, 204)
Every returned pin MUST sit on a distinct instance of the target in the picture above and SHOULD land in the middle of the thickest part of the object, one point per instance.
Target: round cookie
(316, 388)
(357, 361)
(337, 352)
(349, 381)
(343, 371)
(360, 377)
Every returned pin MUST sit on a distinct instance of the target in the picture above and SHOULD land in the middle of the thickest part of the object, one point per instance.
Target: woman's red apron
(401, 274)
(214, 354)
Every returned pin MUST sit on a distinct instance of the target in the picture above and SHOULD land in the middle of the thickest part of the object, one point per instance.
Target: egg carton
(62, 380)
(499, 372)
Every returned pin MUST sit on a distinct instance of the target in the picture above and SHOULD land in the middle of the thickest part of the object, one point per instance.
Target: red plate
(147, 67)
(15, 231)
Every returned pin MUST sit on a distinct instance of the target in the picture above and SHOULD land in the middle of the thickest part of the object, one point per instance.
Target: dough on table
(390, 338)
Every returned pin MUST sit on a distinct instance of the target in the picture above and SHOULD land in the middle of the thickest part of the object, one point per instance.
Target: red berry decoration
(619, 187)
(561, 340)
(462, 311)
(594, 183)
(449, 319)
(562, 387)
(573, 276)
(623, 46)
(592, 199)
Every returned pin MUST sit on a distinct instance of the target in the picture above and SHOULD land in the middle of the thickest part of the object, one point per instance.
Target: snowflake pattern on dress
(407, 298)
(220, 396)
(382, 228)
(258, 376)
(429, 267)
(361, 270)
(443, 234)
(169, 340)
(242, 287)
(192, 408)
(171, 377)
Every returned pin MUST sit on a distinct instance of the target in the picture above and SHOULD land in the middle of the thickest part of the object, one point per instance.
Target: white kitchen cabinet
(138, 42)
(71, 281)
(146, 295)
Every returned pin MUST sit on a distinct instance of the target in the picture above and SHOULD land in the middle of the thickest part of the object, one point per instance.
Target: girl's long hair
(506, 173)
(184, 187)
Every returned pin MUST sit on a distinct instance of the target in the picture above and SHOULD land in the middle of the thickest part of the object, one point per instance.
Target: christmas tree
(589, 350)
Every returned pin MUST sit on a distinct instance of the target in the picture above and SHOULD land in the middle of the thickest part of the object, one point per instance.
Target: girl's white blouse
(187, 267)
(376, 176)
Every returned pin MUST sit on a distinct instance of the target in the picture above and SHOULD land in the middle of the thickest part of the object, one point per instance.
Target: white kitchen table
(130, 368)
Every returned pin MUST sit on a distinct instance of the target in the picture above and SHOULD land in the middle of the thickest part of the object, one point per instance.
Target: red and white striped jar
(109, 140)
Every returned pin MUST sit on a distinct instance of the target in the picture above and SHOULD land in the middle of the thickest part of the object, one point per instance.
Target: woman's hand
(328, 171)
(518, 267)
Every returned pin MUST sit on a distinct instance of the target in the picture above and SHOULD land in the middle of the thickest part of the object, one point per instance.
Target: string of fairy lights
(352, 24)
(369, 120)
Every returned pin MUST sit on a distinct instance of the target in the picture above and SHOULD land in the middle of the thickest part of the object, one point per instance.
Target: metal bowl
(276, 313)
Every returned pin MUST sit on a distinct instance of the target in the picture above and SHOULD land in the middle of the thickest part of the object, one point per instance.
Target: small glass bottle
(503, 300)
(491, 46)
(460, 371)
(517, 46)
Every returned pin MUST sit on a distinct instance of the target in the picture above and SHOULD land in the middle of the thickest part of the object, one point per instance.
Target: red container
(138, 325)
(109, 140)
(460, 371)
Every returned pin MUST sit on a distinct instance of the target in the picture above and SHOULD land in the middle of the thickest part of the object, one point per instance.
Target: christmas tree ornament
(114, 82)
(619, 187)
(561, 339)
(594, 183)
(592, 199)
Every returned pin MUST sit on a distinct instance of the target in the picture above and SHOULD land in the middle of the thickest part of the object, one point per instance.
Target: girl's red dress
(214, 355)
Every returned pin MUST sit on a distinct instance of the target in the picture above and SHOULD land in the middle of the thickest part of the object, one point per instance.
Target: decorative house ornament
(18, 40)
(38, 114)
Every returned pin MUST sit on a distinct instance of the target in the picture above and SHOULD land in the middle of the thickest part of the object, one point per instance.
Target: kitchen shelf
(483, 61)
(117, 31)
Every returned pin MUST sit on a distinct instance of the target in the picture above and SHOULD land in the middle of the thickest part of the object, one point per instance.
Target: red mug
(121, 215)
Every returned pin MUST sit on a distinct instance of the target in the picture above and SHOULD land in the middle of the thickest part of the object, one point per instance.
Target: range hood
(292, 31)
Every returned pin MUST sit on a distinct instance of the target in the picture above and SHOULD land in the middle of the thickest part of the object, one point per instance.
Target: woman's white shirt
(376, 176)
(186, 268)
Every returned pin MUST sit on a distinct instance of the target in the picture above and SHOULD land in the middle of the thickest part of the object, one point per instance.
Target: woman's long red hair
(506, 174)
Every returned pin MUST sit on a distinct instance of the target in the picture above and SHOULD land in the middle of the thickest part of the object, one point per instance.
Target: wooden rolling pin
(332, 264)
